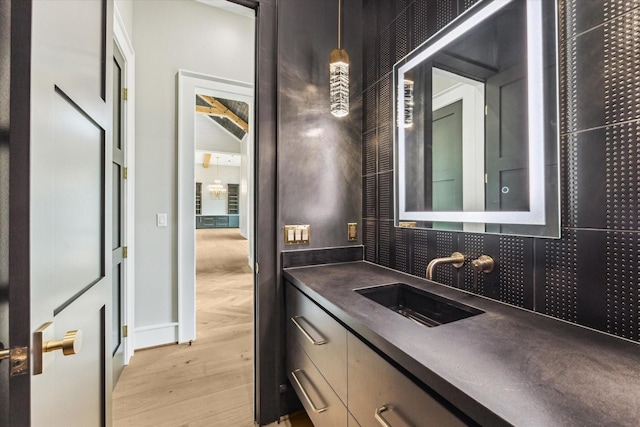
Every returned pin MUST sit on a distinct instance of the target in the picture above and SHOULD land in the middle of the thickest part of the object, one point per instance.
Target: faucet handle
(484, 264)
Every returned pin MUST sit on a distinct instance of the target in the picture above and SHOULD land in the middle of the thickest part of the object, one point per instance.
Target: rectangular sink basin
(420, 306)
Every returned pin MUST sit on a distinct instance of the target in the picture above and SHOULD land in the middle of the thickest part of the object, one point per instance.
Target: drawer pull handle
(379, 416)
(305, 394)
(305, 333)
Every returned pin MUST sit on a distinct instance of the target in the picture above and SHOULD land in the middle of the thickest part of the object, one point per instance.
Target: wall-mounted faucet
(456, 259)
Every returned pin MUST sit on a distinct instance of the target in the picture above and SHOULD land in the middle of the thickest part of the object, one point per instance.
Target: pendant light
(339, 74)
(216, 190)
(408, 104)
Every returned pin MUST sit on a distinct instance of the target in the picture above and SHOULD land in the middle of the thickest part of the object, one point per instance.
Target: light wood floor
(209, 383)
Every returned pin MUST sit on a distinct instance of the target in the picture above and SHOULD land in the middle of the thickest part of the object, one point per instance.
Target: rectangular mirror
(476, 123)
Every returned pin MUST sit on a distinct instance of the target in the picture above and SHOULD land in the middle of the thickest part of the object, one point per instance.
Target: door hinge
(486, 178)
(125, 173)
(486, 110)
(125, 252)
(257, 268)
(18, 359)
(125, 94)
(125, 331)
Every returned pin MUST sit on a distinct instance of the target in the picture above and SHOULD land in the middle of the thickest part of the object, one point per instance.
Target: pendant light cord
(339, 24)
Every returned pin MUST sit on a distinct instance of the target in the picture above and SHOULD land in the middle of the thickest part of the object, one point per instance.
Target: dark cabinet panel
(378, 390)
(321, 336)
(323, 406)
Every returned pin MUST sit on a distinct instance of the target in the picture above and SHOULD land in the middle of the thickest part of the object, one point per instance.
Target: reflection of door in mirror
(458, 124)
(506, 142)
(446, 152)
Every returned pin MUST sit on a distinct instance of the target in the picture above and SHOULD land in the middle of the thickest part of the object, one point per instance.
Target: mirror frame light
(536, 114)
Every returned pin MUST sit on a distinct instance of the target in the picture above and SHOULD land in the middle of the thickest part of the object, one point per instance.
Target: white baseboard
(155, 335)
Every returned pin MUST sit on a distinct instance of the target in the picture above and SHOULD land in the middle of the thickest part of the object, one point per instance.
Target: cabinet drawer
(379, 390)
(323, 406)
(321, 336)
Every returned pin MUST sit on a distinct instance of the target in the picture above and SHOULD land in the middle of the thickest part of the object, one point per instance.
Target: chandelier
(216, 190)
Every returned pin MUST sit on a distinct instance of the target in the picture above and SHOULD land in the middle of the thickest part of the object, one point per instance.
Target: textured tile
(369, 152)
(385, 148)
(556, 276)
(622, 277)
(622, 67)
(577, 16)
(582, 82)
(622, 176)
(385, 195)
(369, 190)
(370, 109)
(590, 180)
(591, 278)
(514, 263)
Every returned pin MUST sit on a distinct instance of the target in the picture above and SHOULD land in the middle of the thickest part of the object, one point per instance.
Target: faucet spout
(456, 258)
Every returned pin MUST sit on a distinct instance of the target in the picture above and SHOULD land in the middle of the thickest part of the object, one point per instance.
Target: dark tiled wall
(590, 275)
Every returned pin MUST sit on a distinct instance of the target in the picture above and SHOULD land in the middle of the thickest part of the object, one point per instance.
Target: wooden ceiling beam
(207, 160)
(216, 108)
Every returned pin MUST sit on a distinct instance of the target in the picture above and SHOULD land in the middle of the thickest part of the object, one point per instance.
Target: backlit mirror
(476, 138)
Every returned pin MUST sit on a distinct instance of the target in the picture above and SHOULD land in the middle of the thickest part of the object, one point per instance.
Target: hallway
(210, 382)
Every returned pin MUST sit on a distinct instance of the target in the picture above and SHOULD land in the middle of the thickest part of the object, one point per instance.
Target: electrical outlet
(352, 231)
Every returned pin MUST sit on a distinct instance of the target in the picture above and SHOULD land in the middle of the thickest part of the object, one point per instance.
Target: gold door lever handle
(45, 346)
(70, 344)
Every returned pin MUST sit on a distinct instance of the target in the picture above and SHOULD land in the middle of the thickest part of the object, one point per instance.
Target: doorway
(190, 85)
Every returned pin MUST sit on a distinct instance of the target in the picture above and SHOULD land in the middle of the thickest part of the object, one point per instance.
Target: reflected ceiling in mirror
(476, 139)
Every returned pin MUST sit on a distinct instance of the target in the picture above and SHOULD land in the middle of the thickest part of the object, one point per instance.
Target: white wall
(228, 175)
(169, 35)
(210, 136)
(125, 9)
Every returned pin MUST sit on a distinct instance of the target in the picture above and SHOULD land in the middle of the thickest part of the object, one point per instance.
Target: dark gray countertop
(505, 366)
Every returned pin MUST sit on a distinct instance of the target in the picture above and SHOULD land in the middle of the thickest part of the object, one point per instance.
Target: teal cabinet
(217, 221)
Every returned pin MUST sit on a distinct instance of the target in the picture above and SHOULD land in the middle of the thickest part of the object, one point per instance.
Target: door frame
(267, 360)
(123, 42)
(189, 83)
(20, 205)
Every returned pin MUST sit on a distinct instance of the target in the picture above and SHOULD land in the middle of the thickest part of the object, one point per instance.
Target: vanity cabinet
(341, 381)
(380, 393)
(322, 338)
(316, 360)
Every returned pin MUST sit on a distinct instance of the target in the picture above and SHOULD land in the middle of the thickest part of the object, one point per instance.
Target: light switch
(297, 234)
(161, 219)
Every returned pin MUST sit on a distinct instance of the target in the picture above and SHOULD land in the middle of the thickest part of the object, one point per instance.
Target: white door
(70, 255)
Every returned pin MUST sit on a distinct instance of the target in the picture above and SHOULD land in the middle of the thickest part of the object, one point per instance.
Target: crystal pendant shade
(339, 83)
(339, 74)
